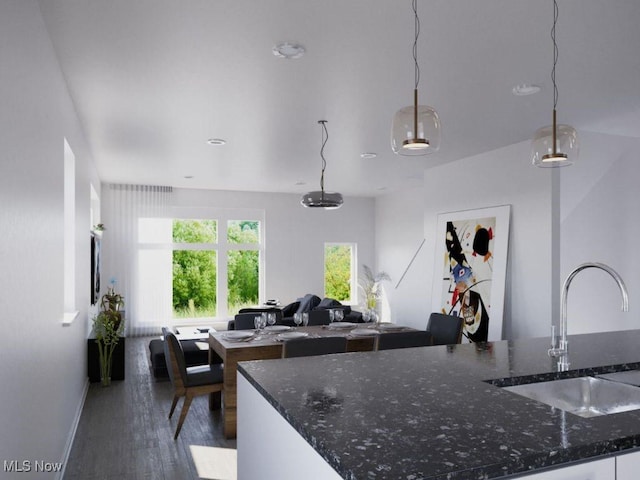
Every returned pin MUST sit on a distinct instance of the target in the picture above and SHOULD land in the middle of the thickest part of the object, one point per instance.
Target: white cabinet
(628, 466)
(270, 448)
(621, 467)
(597, 470)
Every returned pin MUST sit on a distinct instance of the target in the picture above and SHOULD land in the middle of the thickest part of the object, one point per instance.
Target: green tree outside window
(337, 271)
(194, 271)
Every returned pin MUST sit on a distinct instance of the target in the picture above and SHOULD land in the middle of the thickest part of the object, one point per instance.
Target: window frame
(353, 270)
(222, 216)
(70, 310)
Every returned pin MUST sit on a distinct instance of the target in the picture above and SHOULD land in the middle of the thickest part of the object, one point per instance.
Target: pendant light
(554, 145)
(415, 129)
(320, 198)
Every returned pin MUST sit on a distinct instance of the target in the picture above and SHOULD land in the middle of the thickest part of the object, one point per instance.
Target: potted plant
(370, 285)
(108, 326)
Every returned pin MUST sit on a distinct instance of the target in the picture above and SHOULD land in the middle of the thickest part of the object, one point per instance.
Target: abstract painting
(470, 269)
(95, 268)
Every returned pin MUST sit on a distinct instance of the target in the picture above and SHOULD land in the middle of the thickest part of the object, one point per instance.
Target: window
(69, 253)
(195, 268)
(202, 253)
(339, 272)
(243, 264)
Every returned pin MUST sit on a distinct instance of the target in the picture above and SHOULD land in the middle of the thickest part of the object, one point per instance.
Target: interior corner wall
(294, 235)
(43, 373)
(402, 254)
(599, 223)
(501, 177)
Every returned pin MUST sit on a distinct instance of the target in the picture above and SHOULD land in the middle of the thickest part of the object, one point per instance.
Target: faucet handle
(554, 337)
(557, 349)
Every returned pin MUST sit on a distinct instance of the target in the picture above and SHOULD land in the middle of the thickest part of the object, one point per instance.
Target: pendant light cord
(325, 138)
(415, 43)
(555, 54)
(554, 133)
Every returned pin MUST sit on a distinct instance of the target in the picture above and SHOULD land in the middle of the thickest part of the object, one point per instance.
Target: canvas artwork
(95, 268)
(470, 269)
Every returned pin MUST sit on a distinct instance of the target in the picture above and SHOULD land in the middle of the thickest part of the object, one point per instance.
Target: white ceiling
(152, 80)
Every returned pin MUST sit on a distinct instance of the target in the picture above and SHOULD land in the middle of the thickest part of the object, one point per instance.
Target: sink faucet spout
(562, 350)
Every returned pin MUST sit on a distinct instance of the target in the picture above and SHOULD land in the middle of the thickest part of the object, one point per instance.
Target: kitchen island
(428, 413)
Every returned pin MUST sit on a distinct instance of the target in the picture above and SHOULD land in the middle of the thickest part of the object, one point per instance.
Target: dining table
(266, 344)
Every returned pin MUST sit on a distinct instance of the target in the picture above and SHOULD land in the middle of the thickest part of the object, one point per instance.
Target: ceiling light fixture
(554, 145)
(288, 50)
(415, 129)
(368, 155)
(525, 89)
(216, 141)
(320, 198)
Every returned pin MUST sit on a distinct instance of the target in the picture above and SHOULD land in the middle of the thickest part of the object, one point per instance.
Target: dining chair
(306, 347)
(445, 329)
(418, 338)
(244, 321)
(319, 317)
(188, 382)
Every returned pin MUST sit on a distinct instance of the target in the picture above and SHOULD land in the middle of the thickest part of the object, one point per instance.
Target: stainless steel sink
(583, 396)
(631, 377)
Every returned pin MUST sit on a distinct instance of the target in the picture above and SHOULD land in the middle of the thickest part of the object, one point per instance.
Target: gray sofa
(193, 355)
(307, 303)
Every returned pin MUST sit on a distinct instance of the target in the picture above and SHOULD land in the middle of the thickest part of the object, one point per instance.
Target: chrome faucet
(562, 350)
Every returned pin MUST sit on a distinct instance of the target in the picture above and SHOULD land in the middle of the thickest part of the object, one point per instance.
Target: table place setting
(276, 328)
(283, 337)
(390, 327)
(341, 325)
(363, 332)
(239, 336)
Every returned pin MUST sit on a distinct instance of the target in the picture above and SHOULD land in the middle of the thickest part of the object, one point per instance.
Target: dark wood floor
(124, 431)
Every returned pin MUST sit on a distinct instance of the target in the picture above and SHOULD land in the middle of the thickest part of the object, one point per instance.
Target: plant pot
(94, 370)
(105, 352)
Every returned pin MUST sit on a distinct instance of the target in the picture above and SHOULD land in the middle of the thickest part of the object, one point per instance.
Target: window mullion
(194, 246)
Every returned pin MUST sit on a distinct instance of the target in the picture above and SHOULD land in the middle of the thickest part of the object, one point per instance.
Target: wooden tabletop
(266, 338)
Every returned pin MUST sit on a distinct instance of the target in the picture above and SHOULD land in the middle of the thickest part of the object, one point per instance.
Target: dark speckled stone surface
(438, 412)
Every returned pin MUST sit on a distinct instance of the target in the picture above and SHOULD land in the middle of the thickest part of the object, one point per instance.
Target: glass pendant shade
(406, 141)
(322, 199)
(566, 149)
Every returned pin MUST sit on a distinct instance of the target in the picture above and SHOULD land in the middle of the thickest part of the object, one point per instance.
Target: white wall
(294, 235)
(559, 219)
(399, 234)
(43, 371)
(501, 177)
(599, 213)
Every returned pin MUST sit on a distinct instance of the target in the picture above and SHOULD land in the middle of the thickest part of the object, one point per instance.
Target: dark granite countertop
(430, 413)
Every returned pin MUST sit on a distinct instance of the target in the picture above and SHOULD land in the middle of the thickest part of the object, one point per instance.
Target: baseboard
(72, 432)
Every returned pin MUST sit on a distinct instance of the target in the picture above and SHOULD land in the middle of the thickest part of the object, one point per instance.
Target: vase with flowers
(108, 326)
(370, 283)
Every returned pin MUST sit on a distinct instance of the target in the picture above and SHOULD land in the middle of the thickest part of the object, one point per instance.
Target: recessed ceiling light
(368, 155)
(524, 89)
(216, 141)
(288, 50)
(300, 182)
(188, 177)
